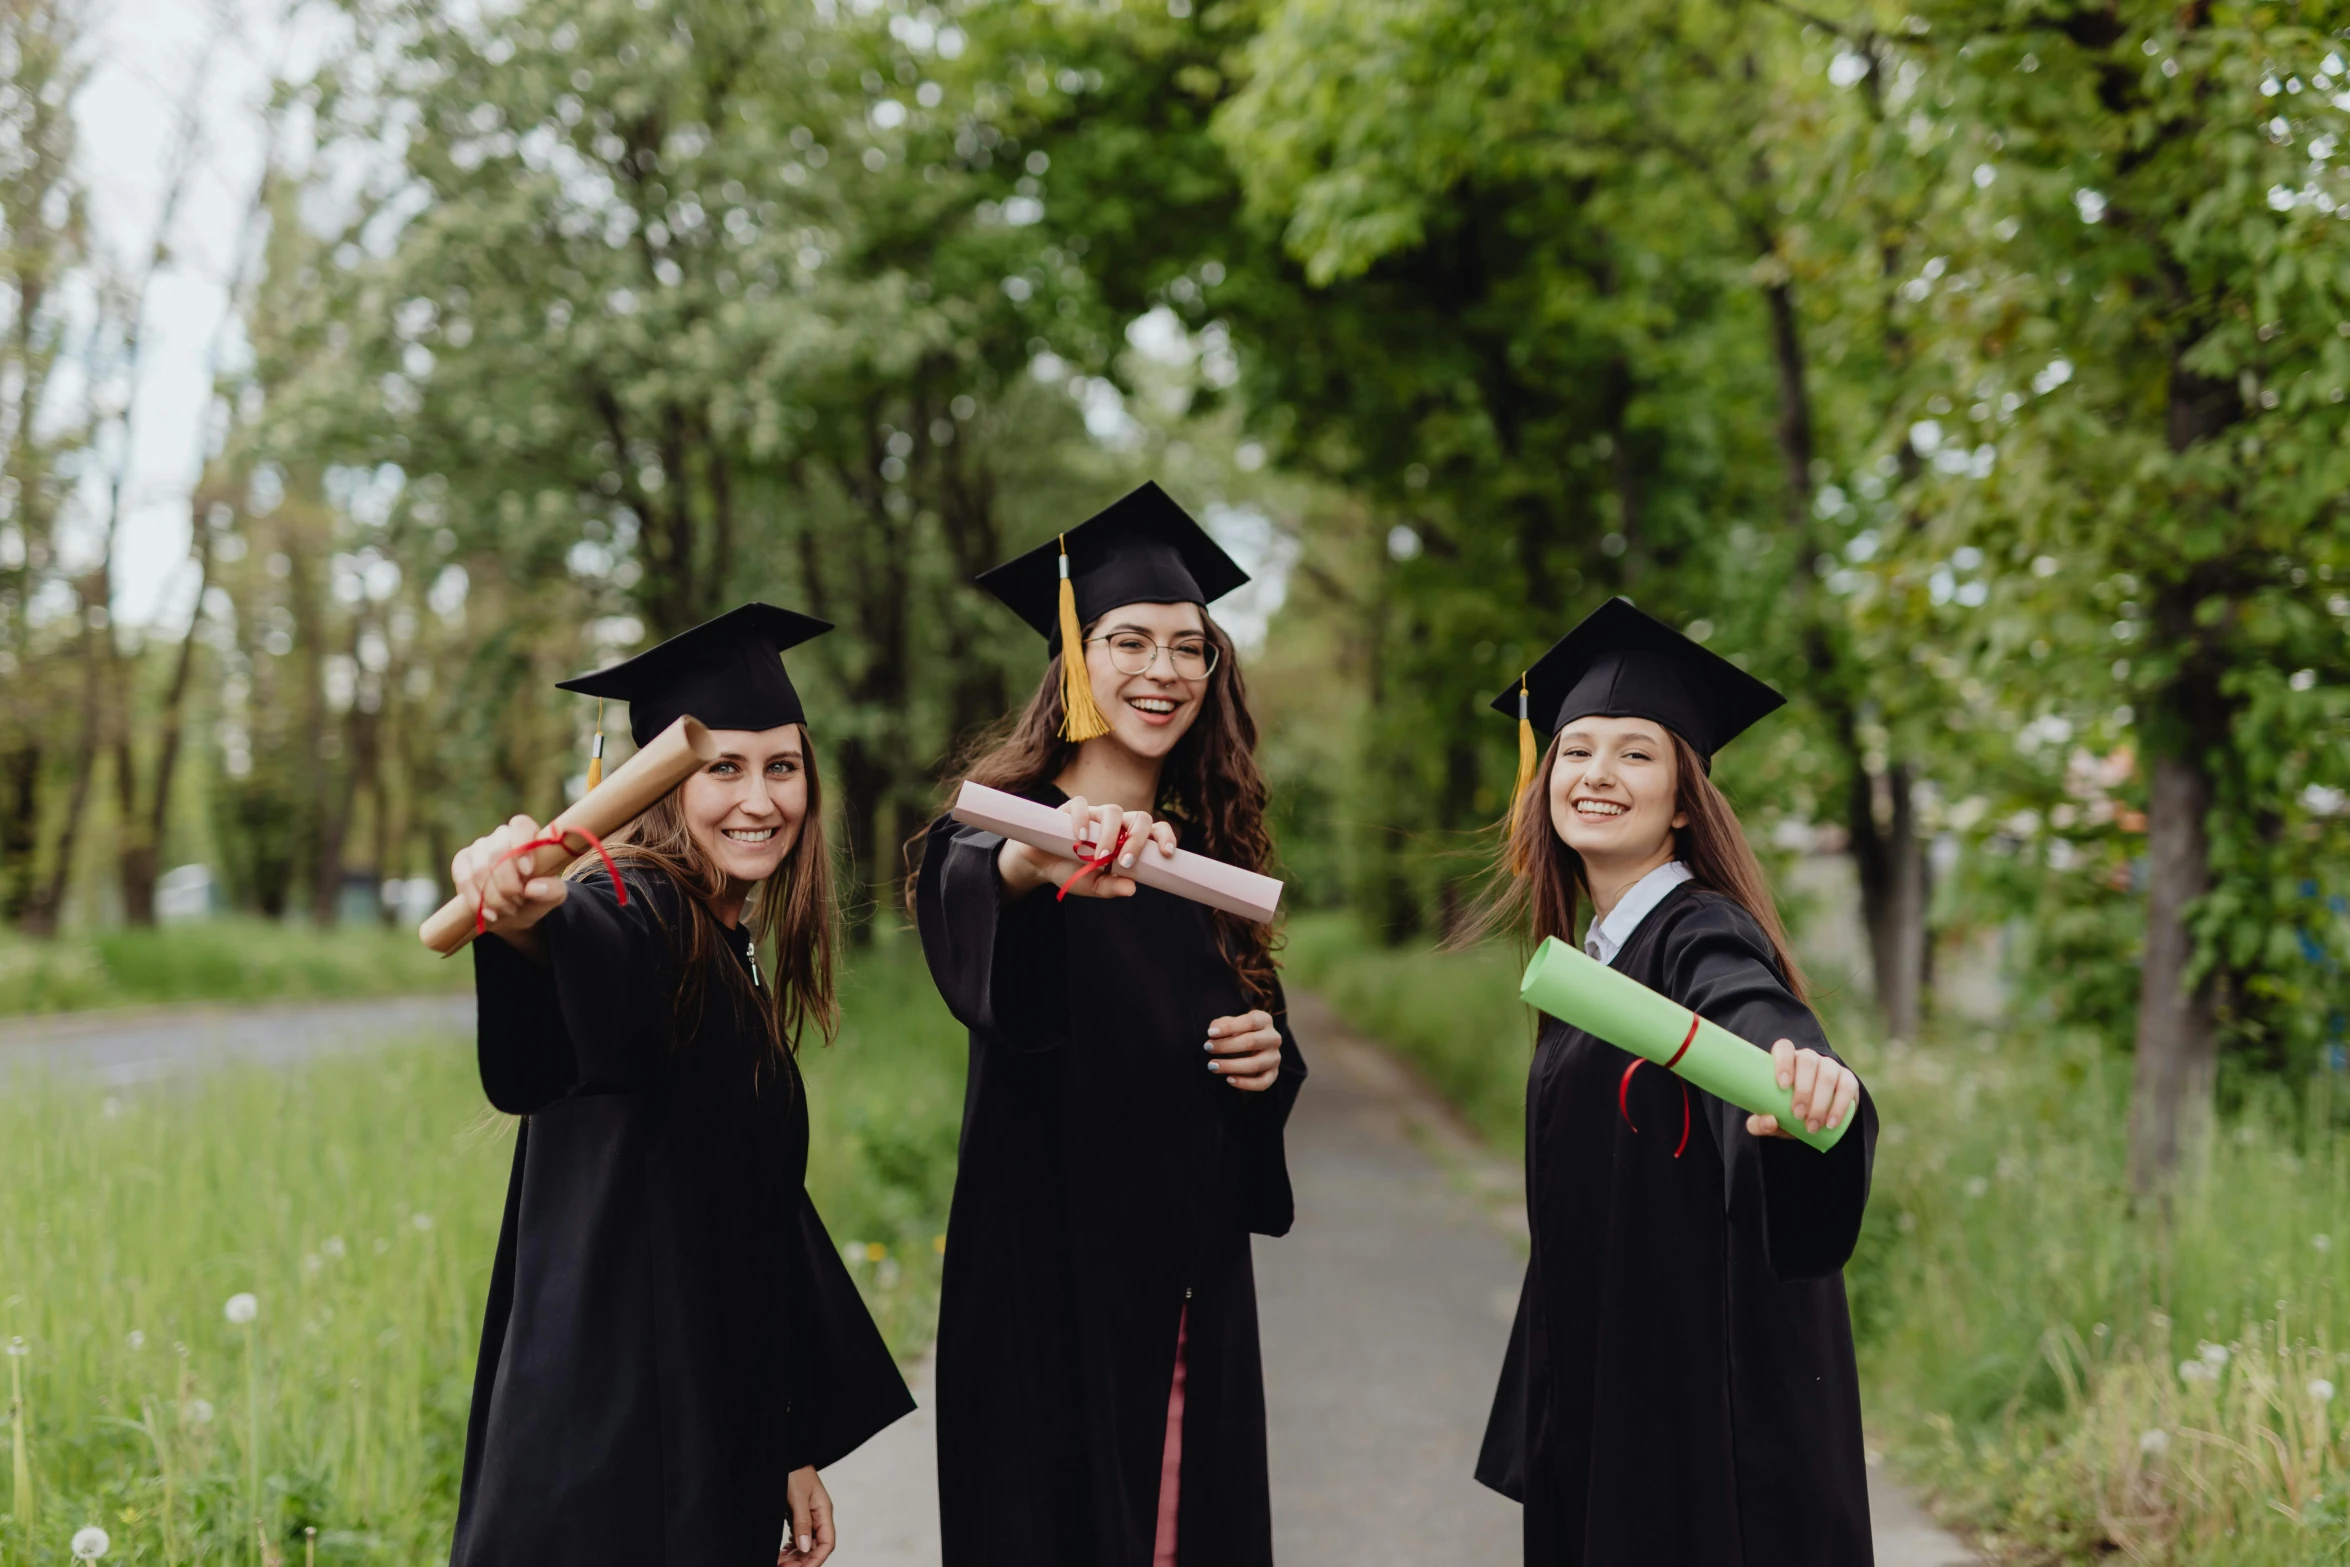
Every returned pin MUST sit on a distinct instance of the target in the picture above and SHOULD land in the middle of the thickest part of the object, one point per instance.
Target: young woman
(1680, 1383)
(672, 1347)
(1100, 1392)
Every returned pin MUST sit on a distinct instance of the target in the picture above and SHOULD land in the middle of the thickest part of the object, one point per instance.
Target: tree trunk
(1889, 858)
(2178, 1038)
(2177, 1047)
(48, 904)
(20, 822)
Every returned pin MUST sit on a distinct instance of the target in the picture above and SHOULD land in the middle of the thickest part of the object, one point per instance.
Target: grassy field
(229, 959)
(355, 1201)
(2074, 1381)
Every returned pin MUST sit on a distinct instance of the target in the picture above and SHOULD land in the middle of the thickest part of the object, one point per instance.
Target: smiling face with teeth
(744, 810)
(1149, 712)
(1615, 798)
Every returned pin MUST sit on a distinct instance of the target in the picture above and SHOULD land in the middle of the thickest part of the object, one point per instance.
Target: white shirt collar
(1606, 937)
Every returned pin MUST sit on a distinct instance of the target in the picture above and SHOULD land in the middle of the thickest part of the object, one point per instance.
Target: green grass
(2022, 1330)
(236, 959)
(357, 1198)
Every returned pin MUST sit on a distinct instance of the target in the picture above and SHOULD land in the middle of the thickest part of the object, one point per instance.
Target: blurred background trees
(1975, 372)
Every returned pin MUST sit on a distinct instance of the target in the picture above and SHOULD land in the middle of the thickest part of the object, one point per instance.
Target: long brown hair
(792, 911)
(1210, 785)
(1538, 880)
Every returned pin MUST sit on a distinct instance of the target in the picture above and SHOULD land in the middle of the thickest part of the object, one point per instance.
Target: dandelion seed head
(2154, 1443)
(18, 1348)
(241, 1308)
(2196, 1371)
(2322, 1242)
(90, 1543)
(136, 1339)
(2320, 1390)
(197, 1411)
(422, 1221)
(2213, 1355)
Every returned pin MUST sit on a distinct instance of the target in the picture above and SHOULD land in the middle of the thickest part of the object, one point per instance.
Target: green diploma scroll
(1584, 993)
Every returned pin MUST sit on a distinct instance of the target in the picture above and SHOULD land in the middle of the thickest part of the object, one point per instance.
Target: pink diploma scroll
(1187, 875)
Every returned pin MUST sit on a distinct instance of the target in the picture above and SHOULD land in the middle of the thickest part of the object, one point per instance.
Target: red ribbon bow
(1624, 1087)
(481, 922)
(1089, 866)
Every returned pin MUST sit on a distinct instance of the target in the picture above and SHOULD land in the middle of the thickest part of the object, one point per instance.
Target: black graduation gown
(1680, 1384)
(1108, 1182)
(670, 1332)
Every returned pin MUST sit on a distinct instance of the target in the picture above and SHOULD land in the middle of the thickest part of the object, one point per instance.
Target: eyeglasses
(1131, 653)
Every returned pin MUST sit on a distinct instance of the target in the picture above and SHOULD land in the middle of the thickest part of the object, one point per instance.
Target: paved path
(1384, 1312)
(130, 1047)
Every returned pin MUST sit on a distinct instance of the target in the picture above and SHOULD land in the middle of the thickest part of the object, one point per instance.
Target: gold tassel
(1528, 759)
(1081, 720)
(596, 756)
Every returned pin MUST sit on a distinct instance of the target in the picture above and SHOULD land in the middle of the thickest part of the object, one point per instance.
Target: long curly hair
(792, 913)
(1210, 786)
(1538, 882)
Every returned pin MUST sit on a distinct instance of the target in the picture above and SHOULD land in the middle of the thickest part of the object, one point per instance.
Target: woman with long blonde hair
(1680, 1383)
(672, 1348)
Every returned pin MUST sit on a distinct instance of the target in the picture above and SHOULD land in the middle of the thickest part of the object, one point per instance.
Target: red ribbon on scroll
(1088, 867)
(1624, 1087)
(560, 840)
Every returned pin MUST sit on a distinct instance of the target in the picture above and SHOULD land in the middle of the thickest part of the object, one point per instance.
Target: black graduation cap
(727, 672)
(1621, 663)
(1140, 549)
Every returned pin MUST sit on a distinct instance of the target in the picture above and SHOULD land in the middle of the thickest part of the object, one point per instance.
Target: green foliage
(234, 959)
(358, 1199)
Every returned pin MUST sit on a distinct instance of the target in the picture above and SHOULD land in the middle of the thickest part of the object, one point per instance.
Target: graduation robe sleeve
(1719, 964)
(1001, 963)
(845, 1385)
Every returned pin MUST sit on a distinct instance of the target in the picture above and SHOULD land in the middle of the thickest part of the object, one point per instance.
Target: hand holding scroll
(489, 875)
(1095, 829)
(1825, 1090)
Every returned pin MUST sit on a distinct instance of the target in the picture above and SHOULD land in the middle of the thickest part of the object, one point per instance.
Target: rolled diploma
(1187, 875)
(664, 762)
(1585, 993)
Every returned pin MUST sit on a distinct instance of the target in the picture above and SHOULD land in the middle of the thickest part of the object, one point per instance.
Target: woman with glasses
(1100, 1391)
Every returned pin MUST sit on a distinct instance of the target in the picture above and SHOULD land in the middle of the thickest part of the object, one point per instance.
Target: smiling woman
(1131, 1074)
(1680, 1383)
(672, 1347)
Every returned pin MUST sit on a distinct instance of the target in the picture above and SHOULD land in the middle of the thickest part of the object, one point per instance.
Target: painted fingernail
(803, 1545)
(1215, 1066)
(1126, 860)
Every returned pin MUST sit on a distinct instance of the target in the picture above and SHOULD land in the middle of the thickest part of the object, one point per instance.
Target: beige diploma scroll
(665, 761)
